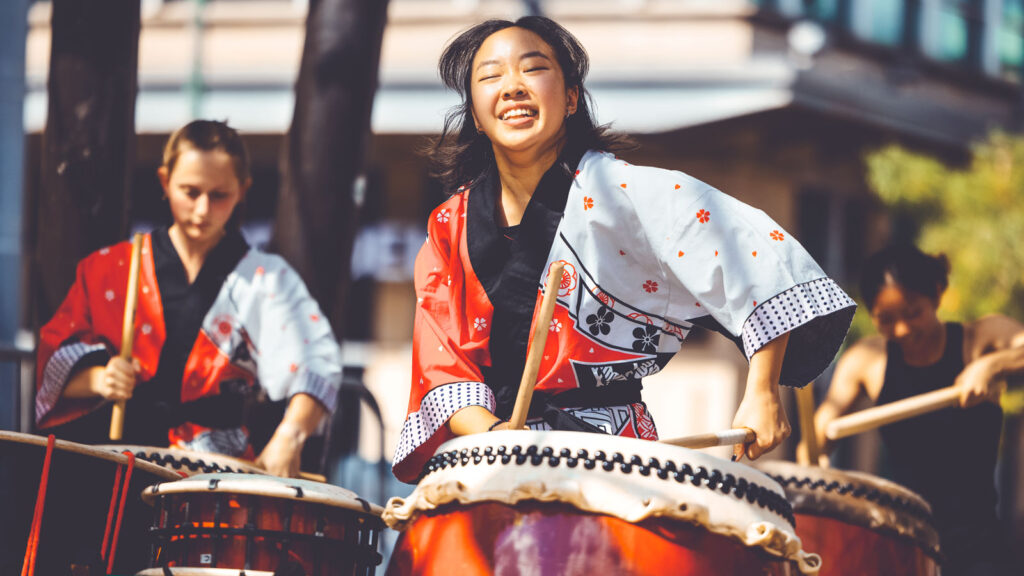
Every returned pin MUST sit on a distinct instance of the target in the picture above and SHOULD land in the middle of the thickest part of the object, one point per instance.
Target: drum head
(856, 498)
(630, 479)
(188, 462)
(268, 486)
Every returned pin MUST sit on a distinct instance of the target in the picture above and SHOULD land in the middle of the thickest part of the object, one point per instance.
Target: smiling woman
(647, 255)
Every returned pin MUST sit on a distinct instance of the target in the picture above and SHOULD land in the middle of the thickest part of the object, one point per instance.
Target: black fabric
(949, 456)
(155, 406)
(509, 261)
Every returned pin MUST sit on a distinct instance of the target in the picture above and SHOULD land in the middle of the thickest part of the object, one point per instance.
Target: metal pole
(13, 35)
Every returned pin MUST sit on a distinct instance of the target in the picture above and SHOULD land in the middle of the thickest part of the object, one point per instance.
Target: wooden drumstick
(887, 414)
(808, 435)
(536, 352)
(128, 329)
(729, 437)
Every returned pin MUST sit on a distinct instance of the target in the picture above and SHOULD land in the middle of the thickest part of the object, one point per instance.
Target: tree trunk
(326, 146)
(89, 142)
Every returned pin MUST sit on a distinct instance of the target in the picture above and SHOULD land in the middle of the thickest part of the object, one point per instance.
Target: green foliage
(975, 216)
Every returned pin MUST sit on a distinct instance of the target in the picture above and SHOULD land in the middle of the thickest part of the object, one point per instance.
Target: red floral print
(703, 216)
(778, 236)
(588, 203)
(651, 286)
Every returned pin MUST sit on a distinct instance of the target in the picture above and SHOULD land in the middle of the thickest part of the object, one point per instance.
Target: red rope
(120, 511)
(110, 513)
(28, 568)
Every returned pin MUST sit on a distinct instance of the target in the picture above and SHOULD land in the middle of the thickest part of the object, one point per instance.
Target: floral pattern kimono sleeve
(450, 340)
(730, 267)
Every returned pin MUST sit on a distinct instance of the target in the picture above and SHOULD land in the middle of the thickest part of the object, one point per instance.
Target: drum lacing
(28, 568)
(856, 491)
(193, 465)
(701, 476)
(107, 541)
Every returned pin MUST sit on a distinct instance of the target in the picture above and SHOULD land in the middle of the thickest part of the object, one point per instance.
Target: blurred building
(773, 101)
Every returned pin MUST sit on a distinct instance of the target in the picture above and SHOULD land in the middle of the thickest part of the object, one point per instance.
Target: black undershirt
(153, 408)
(509, 261)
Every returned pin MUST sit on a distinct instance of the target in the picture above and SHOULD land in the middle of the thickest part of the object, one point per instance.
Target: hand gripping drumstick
(900, 410)
(724, 438)
(540, 338)
(128, 329)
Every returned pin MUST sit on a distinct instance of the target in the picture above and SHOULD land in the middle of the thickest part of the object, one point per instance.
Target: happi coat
(253, 326)
(648, 254)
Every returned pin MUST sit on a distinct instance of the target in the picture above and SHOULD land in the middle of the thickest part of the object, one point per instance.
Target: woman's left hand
(761, 411)
(979, 382)
(282, 455)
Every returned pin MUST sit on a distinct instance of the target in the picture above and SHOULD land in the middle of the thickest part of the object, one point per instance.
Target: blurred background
(853, 123)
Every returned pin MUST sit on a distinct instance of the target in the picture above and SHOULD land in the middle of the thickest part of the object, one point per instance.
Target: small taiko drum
(189, 462)
(84, 517)
(859, 523)
(264, 525)
(560, 503)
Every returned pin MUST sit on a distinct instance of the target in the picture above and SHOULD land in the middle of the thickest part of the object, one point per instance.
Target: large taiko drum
(565, 503)
(264, 525)
(189, 462)
(81, 507)
(859, 523)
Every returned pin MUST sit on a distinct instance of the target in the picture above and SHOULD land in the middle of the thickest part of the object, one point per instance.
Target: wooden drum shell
(859, 523)
(538, 538)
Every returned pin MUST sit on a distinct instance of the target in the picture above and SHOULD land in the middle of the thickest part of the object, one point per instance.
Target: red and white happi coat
(262, 309)
(648, 253)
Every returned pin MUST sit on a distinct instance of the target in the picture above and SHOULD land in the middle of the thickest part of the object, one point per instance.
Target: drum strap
(28, 568)
(108, 543)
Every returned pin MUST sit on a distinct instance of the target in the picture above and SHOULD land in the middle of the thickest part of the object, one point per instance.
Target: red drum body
(262, 524)
(189, 462)
(562, 503)
(859, 523)
(79, 489)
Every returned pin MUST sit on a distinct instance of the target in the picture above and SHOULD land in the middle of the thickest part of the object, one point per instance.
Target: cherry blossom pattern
(479, 324)
(443, 216)
(588, 203)
(703, 216)
(556, 325)
(599, 322)
(777, 236)
(647, 338)
(651, 286)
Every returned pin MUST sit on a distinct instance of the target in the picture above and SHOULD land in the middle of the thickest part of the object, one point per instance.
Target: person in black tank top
(948, 456)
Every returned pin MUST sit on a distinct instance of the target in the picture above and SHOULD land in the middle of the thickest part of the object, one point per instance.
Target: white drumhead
(626, 478)
(203, 572)
(187, 462)
(263, 485)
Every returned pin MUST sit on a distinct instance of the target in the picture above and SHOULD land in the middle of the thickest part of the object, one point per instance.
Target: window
(1010, 40)
(954, 30)
(879, 21)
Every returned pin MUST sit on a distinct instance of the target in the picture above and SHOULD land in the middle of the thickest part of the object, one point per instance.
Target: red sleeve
(89, 321)
(450, 339)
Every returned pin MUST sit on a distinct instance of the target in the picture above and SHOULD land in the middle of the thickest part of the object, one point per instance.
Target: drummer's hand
(117, 380)
(283, 454)
(762, 412)
(979, 382)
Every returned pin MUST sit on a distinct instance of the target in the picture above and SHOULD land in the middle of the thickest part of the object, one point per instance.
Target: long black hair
(907, 267)
(460, 154)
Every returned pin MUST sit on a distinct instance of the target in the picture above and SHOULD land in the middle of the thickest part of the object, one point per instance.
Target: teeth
(516, 113)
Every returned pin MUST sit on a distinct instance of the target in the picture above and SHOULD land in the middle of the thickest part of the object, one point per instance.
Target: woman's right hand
(115, 381)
